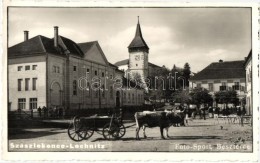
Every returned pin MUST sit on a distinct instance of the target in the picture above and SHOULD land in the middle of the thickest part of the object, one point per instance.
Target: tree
(226, 97)
(200, 96)
(182, 96)
(186, 73)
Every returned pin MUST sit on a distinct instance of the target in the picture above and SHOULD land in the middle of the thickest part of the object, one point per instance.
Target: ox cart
(82, 128)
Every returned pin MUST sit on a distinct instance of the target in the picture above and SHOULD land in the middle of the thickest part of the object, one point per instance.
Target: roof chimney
(56, 34)
(220, 61)
(26, 35)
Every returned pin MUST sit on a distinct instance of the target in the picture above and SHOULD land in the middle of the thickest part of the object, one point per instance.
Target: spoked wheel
(121, 131)
(76, 130)
(89, 132)
(110, 132)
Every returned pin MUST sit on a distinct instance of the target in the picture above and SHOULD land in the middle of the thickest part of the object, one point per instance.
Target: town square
(130, 79)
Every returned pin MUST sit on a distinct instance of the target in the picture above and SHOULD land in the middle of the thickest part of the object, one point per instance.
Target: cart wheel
(76, 130)
(121, 131)
(89, 132)
(110, 132)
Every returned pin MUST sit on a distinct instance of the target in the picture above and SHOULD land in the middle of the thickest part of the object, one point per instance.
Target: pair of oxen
(162, 119)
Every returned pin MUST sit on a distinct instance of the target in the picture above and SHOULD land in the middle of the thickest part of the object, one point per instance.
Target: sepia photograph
(130, 79)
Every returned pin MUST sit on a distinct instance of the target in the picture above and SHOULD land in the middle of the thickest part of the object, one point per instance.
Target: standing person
(204, 113)
(54, 112)
(39, 111)
(44, 111)
(61, 112)
(50, 112)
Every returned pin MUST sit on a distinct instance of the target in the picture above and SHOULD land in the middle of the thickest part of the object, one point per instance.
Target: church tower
(138, 56)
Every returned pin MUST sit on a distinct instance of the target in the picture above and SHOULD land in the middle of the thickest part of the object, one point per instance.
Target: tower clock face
(137, 57)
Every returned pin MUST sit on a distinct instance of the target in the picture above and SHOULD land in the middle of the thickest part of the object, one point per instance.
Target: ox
(157, 119)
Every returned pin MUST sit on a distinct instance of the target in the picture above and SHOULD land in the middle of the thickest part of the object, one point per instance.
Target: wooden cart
(82, 128)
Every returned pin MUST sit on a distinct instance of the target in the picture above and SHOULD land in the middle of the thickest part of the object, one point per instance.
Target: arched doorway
(55, 94)
(117, 99)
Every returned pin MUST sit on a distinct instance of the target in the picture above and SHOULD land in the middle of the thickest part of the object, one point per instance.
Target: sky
(198, 36)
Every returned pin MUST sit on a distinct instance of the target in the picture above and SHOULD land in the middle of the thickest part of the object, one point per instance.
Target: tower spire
(138, 43)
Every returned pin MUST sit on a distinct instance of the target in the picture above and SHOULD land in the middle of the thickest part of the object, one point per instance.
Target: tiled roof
(32, 46)
(42, 44)
(71, 46)
(248, 58)
(121, 63)
(85, 46)
(222, 70)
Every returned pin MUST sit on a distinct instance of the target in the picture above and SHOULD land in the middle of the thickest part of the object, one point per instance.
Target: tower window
(136, 64)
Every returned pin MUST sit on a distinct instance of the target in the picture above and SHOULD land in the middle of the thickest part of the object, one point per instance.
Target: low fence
(127, 113)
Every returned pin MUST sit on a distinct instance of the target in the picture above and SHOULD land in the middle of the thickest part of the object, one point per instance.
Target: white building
(248, 68)
(221, 76)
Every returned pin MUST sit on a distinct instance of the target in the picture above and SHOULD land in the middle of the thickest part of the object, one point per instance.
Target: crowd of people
(52, 112)
(212, 112)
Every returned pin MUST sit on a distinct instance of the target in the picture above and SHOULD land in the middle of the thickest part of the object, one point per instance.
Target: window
(103, 74)
(211, 87)
(223, 86)
(34, 83)
(136, 65)
(74, 68)
(27, 68)
(87, 69)
(198, 85)
(27, 80)
(74, 87)
(21, 103)
(95, 72)
(34, 67)
(33, 103)
(236, 86)
(111, 92)
(19, 68)
(56, 69)
(133, 98)
(111, 77)
(20, 84)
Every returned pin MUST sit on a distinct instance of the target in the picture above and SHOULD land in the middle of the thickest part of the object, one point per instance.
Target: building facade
(221, 76)
(248, 68)
(58, 72)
